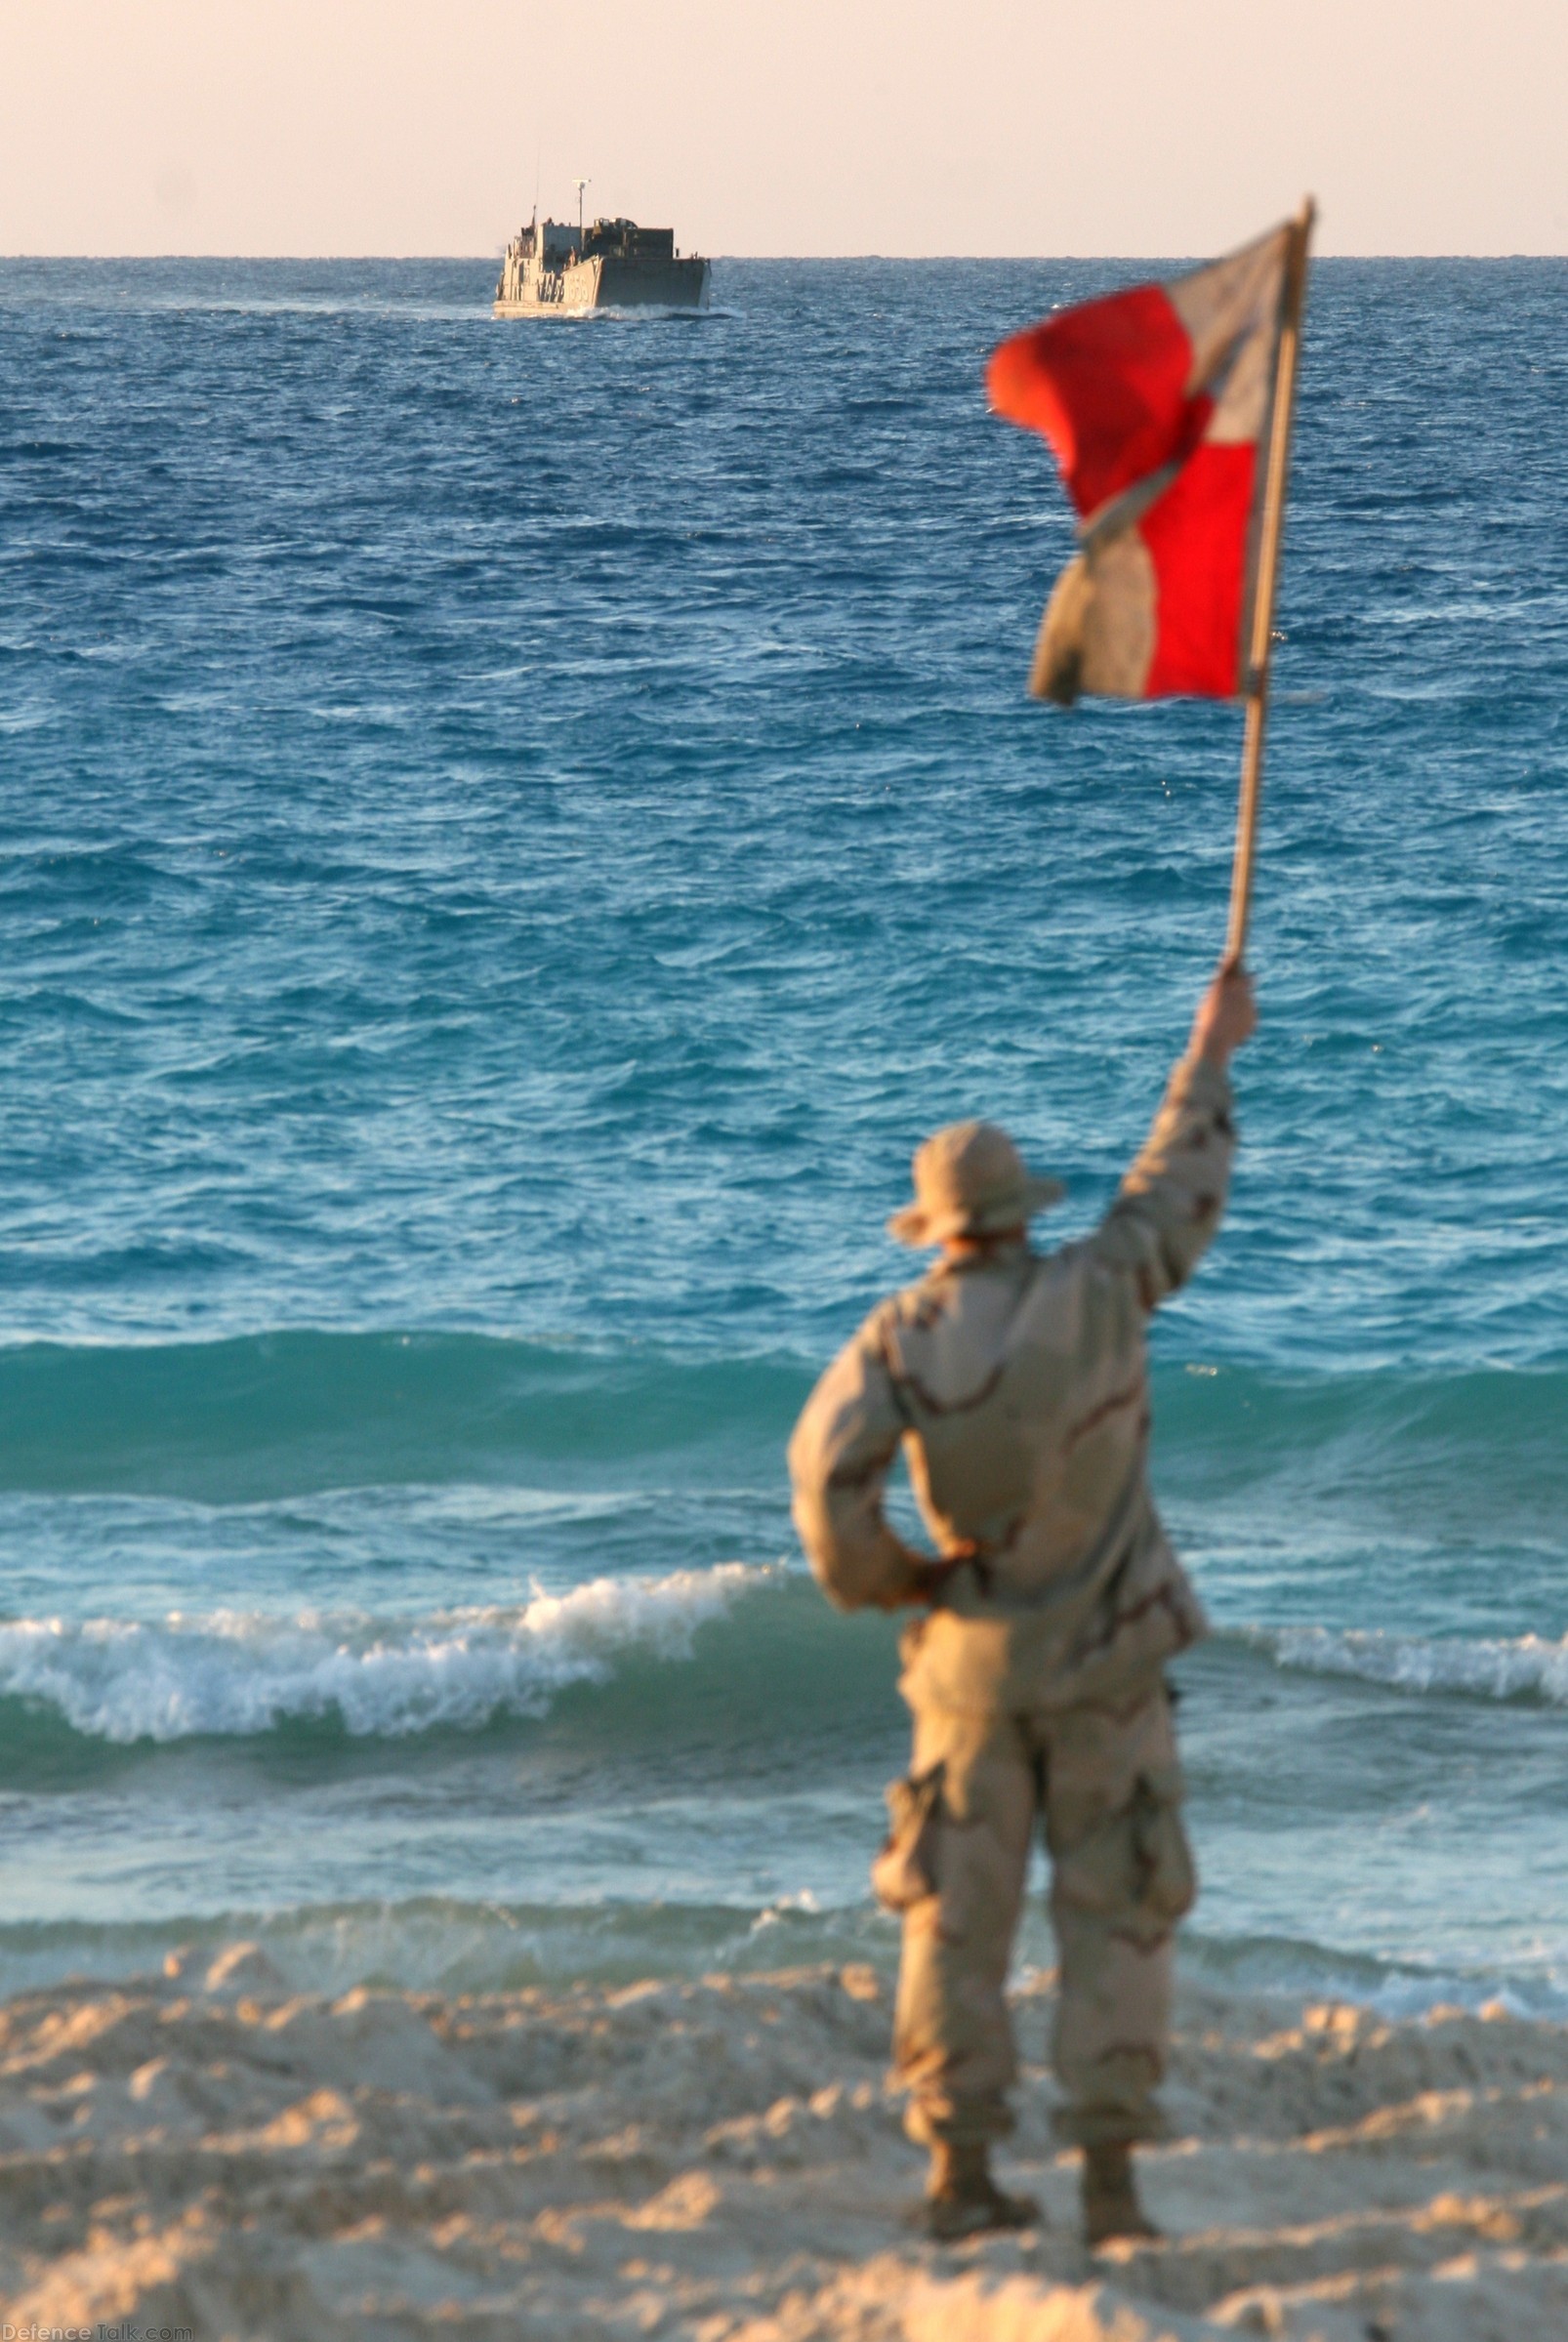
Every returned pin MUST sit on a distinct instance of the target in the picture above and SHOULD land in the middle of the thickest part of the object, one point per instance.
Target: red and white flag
(1158, 402)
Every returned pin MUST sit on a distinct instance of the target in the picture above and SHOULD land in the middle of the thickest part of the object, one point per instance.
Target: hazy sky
(749, 126)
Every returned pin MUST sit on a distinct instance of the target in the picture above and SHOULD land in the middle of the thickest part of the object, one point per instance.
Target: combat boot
(962, 2200)
(1111, 2207)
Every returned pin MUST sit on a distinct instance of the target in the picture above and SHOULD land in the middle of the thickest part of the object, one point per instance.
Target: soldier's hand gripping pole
(1226, 1018)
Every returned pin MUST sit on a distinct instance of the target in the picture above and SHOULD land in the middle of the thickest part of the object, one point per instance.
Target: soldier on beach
(1017, 1384)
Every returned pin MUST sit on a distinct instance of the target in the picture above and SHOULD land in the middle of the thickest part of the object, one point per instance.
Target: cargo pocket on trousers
(904, 1873)
(1134, 1868)
(1168, 1883)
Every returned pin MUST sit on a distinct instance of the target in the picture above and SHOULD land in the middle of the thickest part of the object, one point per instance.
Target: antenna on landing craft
(581, 183)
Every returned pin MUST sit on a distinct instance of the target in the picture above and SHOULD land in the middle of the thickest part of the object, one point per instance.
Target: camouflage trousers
(1106, 1783)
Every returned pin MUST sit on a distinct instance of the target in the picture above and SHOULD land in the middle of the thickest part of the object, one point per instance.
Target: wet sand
(722, 2163)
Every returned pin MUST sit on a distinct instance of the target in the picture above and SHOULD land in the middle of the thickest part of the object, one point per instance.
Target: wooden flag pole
(1268, 549)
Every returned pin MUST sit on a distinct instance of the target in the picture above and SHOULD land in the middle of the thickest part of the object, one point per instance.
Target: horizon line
(904, 259)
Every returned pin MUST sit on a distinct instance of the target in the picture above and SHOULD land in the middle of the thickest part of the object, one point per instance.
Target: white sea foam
(239, 1672)
(1524, 1667)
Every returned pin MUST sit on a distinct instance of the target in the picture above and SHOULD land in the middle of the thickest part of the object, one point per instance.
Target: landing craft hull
(609, 282)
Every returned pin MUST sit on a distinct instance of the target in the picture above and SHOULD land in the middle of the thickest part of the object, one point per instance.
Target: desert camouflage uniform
(1018, 1385)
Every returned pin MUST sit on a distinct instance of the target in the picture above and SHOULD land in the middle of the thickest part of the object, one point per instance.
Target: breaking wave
(234, 1673)
(1525, 1667)
(245, 1672)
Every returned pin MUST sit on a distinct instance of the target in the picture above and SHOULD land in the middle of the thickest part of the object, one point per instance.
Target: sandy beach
(722, 2162)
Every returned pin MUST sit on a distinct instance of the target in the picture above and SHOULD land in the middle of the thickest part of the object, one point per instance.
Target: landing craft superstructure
(613, 265)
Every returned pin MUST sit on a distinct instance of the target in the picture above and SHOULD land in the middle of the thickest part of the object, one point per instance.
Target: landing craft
(551, 270)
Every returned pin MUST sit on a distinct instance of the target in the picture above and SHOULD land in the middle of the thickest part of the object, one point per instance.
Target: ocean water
(509, 834)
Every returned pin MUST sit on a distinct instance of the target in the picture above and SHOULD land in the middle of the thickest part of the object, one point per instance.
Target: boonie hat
(970, 1180)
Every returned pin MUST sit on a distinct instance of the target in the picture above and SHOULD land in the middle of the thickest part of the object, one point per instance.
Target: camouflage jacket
(1018, 1385)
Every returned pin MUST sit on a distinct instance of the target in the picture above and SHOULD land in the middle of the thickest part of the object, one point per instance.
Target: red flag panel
(1196, 533)
(1107, 384)
(1154, 401)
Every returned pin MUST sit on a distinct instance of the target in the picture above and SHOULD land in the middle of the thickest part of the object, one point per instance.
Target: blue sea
(508, 836)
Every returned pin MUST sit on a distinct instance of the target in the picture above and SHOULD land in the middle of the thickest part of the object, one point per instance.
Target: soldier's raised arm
(1170, 1202)
(840, 1457)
